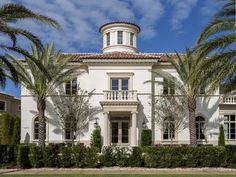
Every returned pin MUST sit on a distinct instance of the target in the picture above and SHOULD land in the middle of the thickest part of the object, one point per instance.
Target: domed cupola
(119, 37)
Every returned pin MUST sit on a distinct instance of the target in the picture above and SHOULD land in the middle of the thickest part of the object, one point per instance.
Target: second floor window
(108, 39)
(168, 87)
(119, 84)
(120, 37)
(71, 87)
(131, 39)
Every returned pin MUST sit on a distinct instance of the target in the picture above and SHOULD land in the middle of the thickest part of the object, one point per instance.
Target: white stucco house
(118, 74)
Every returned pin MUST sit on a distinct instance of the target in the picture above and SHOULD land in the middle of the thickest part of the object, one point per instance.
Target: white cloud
(80, 19)
(181, 10)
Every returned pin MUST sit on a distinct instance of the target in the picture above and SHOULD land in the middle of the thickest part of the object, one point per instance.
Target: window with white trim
(230, 126)
(169, 129)
(120, 37)
(200, 127)
(71, 87)
(2, 106)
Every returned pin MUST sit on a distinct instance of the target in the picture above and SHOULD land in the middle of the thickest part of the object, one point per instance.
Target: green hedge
(153, 157)
(96, 139)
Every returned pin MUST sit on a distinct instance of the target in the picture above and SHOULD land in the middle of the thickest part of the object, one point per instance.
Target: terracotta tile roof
(77, 57)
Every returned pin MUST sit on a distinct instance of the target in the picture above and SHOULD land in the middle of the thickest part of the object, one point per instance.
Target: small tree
(172, 109)
(221, 139)
(146, 137)
(96, 139)
(75, 112)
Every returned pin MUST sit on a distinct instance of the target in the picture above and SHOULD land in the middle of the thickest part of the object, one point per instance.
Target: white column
(134, 129)
(105, 129)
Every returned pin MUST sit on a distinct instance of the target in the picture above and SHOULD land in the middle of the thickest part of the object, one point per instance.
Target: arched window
(200, 126)
(36, 128)
(169, 129)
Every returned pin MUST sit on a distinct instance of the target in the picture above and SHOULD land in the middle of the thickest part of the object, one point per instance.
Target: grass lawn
(117, 175)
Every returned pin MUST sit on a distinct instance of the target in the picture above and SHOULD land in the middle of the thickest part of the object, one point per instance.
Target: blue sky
(166, 25)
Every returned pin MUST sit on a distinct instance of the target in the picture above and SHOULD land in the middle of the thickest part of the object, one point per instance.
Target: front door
(120, 133)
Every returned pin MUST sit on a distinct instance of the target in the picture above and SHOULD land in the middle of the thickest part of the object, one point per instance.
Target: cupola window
(131, 39)
(120, 37)
(108, 39)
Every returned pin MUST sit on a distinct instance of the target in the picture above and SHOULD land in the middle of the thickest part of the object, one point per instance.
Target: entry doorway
(120, 132)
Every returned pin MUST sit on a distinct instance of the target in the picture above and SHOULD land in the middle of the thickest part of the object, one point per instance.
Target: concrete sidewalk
(118, 170)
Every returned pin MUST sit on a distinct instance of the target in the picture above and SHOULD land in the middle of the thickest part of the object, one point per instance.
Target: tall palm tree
(191, 81)
(218, 38)
(39, 84)
(12, 13)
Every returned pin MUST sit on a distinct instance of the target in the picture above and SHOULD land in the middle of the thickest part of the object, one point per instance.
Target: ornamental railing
(228, 99)
(120, 95)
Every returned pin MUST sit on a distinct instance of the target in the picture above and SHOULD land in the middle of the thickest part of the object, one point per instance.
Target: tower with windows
(119, 37)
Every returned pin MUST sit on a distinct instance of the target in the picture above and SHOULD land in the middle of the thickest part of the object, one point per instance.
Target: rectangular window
(2, 105)
(68, 130)
(168, 130)
(230, 126)
(108, 39)
(131, 39)
(120, 37)
(119, 84)
(168, 87)
(71, 87)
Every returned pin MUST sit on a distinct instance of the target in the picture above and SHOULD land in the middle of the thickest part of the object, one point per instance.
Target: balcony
(120, 95)
(228, 99)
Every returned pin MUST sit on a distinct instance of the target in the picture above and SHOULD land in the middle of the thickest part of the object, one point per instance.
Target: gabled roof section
(79, 57)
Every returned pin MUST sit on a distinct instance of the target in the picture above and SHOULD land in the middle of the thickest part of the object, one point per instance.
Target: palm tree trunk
(192, 125)
(41, 105)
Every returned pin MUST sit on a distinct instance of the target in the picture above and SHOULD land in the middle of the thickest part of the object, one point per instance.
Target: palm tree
(39, 84)
(12, 13)
(218, 38)
(191, 81)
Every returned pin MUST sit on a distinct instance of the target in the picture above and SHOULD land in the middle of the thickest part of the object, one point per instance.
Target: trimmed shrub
(23, 156)
(79, 155)
(146, 137)
(67, 157)
(231, 155)
(91, 157)
(96, 139)
(36, 156)
(107, 158)
(7, 153)
(122, 156)
(221, 139)
(50, 155)
(135, 159)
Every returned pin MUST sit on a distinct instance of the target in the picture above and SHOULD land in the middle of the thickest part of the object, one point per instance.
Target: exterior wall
(12, 104)
(97, 79)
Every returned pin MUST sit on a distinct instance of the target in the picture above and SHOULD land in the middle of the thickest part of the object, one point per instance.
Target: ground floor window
(36, 128)
(200, 126)
(119, 133)
(229, 126)
(68, 130)
(168, 129)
